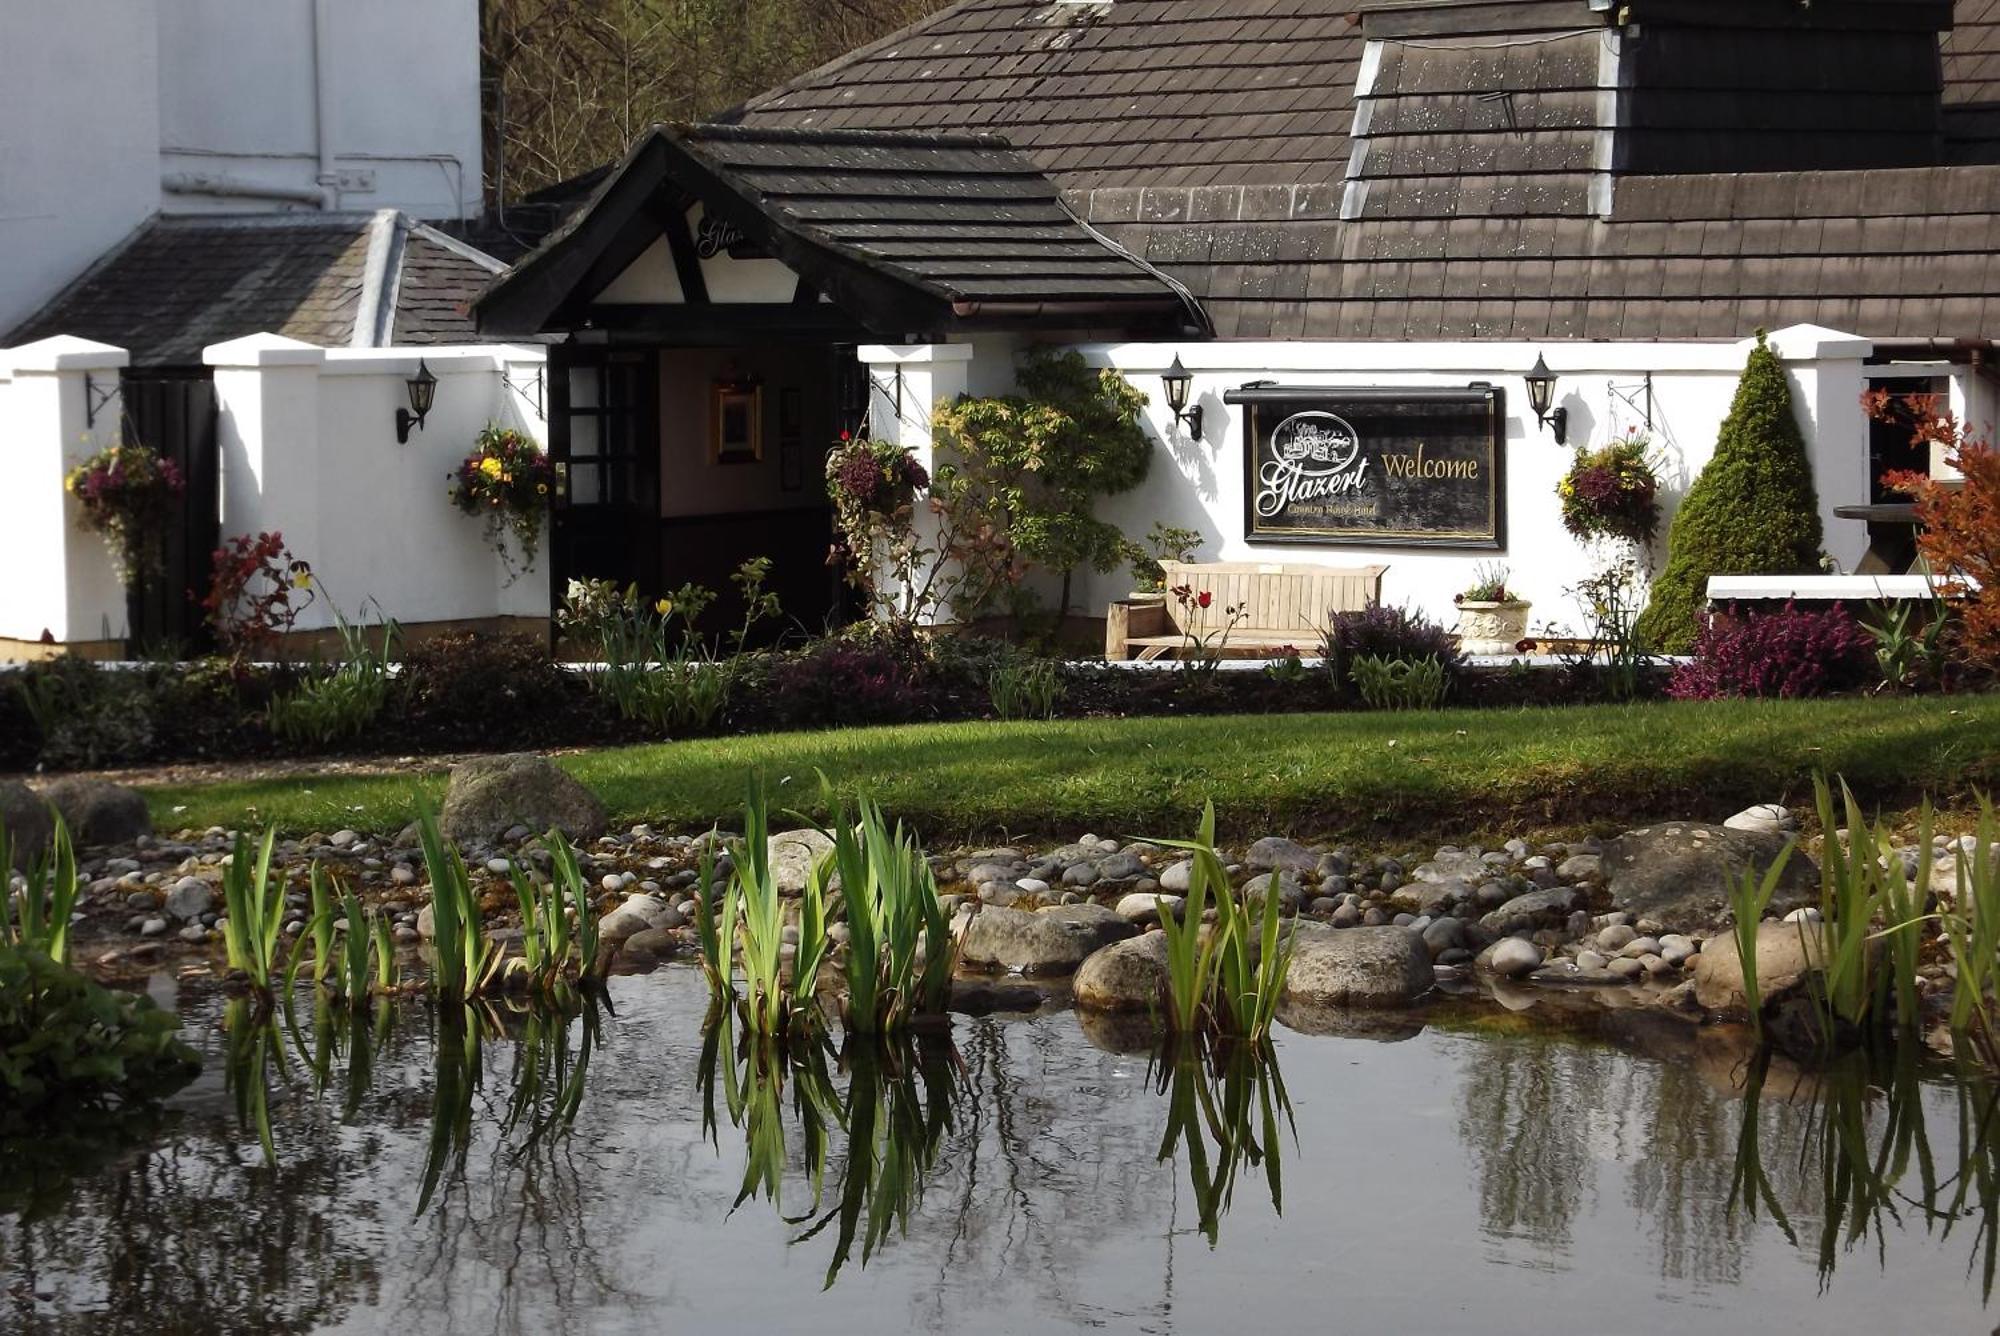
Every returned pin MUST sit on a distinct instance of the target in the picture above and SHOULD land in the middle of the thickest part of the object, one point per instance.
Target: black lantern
(1542, 393)
(423, 389)
(1178, 380)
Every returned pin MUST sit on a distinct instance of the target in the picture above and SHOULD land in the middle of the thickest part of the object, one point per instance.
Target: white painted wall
(55, 578)
(238, 101)
(79, 140)
(1199, 484)
(309, 449)
(101, 101)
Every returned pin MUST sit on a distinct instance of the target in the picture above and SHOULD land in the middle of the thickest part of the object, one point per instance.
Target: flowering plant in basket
(127, 494)
(506, 481)
(877, 477)
(1612, 492)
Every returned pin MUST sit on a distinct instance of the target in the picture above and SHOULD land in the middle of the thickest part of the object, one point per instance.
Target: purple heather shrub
(1388, 633)
(1793, 652)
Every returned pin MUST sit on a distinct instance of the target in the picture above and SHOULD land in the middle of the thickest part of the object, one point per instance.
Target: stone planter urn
(1492, 628)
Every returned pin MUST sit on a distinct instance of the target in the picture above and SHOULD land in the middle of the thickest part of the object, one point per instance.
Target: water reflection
(591, 1173)
(898, 1108)
(1860, 1136)
(1223, 1102)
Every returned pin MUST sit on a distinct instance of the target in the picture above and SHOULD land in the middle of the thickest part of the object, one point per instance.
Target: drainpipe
(229, 187)
(322, 56)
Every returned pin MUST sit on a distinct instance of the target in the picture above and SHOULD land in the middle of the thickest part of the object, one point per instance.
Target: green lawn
(1351, 776)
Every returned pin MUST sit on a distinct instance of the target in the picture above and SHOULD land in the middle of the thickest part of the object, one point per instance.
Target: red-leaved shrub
(1794, 652)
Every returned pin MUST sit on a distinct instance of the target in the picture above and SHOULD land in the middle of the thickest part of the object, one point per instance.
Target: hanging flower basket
(127, 494)
(1612, 492)
(877, 478)
(506, 483)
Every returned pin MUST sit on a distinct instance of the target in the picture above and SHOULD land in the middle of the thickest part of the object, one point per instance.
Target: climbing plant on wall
(1035, 463)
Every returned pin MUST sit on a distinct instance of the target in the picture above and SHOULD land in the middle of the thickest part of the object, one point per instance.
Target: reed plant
(546, 929)
(38, 919)
(749, 922)
(1748, 898)
(254, 911)
(1972, 934)
(253, 1050)
(465, 963)
(1224, 978)
(900, 950)
(459, 1069)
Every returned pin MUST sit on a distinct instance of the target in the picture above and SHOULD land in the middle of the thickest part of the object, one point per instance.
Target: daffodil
(664, 606)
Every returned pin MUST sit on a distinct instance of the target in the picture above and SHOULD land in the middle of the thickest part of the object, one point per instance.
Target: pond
(1464, 1170)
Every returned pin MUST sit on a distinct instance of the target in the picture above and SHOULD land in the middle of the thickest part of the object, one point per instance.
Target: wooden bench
(1285, 605)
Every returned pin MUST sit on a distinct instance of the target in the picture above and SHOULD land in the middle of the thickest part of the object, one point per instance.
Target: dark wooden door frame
(624, 472)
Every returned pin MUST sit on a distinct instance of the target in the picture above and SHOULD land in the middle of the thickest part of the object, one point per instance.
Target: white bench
(1819, 588)
(1282, 605)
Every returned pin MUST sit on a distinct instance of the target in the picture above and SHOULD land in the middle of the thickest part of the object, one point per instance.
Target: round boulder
(491, 794)
(1681, 873)
(99, 812)
(1126, 976)
(1048, 941)
(25, 817)
(793, 854)
(1786, 953)
(1357, 967)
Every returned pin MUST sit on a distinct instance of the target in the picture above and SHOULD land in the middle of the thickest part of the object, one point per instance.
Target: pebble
(1589, 960)
(1616, 937)
(153, 927)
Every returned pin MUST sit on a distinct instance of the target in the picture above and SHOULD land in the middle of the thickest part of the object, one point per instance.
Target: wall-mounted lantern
(423, 389)
(1178, 380)
(1541, 393)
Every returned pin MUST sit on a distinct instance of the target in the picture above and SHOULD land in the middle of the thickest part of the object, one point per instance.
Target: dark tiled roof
(179, 284)
(435, 291)
(966, 218)
(1902, 253)
(1972, 83)
(1152, 92)
(902, 231)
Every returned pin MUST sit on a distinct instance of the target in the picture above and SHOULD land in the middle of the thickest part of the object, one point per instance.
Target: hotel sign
(1373, 467)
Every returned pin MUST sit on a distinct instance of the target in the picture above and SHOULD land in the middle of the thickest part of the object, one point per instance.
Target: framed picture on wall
(736, 422)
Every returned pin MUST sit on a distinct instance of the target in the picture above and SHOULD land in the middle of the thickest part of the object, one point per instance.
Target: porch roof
(907, 234)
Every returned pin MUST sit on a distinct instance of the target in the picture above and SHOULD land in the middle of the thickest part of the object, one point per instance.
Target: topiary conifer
(1752, 511)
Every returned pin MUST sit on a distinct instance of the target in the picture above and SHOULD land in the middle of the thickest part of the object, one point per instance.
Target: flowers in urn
(127, 494)
(1613, 492)
(1491, 618)
(506, 482)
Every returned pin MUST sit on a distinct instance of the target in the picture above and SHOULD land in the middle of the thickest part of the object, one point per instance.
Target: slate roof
(1214, 138)
(180, 283)
(967, 218)
(439, 279)
(904, 232)
(1135, 92)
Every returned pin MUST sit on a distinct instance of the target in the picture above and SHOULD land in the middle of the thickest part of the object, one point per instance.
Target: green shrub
(1399, 684)
(1753, 510)
(471, 690)
(1025, 690)
(67, 1043)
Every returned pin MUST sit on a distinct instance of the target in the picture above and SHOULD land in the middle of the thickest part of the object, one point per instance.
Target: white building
(231, 230)
(1299, 201)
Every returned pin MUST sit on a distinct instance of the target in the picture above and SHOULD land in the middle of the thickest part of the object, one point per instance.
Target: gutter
(1025, 310)
(228, 187)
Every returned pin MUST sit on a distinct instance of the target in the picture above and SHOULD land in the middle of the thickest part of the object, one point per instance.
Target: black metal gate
(173, 413)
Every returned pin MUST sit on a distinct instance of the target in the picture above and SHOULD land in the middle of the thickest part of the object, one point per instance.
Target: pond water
(1461, 1172)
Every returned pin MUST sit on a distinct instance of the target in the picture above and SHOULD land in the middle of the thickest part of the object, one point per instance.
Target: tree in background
(1033, 464)
(1753, 510)
(1959, 519)
(571, 83)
